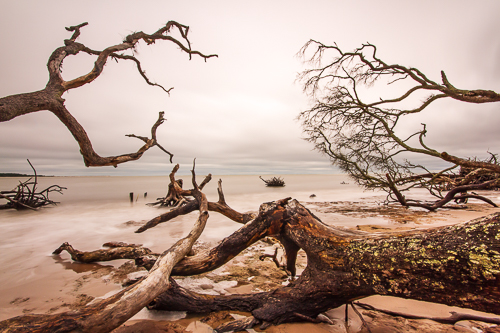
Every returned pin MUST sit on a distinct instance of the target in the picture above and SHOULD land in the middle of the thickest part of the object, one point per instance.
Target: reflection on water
(78, 267)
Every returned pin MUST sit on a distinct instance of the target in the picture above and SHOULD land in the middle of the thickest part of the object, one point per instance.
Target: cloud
(236, 113)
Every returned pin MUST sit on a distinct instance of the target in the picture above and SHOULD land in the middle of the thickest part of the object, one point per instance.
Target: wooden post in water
(131, 196)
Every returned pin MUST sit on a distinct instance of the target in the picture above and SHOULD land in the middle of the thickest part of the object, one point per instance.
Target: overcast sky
(236, 114)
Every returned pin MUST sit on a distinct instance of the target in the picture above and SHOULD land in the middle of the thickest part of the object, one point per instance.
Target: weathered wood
(275, 181)
(458, 193)
(113, 253)
(189, 206)
(452, 319)
(172, 199)
(25, 195)
(50, 98)
(456, 265)
(104, 316)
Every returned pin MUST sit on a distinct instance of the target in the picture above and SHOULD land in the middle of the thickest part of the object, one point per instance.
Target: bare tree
(361, 137)
(26, 196)
(50, 98)
(455, 265)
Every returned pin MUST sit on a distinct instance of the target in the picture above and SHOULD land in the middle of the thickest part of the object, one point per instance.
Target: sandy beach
(79, 284)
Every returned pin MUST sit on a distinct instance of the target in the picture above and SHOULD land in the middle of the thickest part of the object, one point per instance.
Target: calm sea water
(93, 210)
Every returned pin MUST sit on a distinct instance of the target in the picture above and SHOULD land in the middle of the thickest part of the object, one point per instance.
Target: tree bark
(455, 265)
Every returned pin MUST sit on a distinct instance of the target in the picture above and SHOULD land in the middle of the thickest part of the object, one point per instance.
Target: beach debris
(275, 181)
(312, 196)
(342, 265)
(115, 250)
(25, 195)
(173, 197)
(362, 139)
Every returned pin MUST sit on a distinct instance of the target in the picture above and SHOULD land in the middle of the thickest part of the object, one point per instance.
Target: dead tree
(274, 182)
(25, 195)
(456, 265)
(172, 199)
(360, 136)
(50, 98)
(114, 251)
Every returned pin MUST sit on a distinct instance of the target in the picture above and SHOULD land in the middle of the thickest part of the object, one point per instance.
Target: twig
(455, 316)
(365, 324)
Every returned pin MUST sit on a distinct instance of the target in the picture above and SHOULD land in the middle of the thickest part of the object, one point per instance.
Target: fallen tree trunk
(456, 265)
(114, 252)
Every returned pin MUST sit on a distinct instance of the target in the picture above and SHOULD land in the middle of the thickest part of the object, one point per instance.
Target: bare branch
(50, 98)
(360, 137)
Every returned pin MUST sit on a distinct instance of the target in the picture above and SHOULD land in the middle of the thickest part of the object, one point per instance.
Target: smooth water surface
(95, 210)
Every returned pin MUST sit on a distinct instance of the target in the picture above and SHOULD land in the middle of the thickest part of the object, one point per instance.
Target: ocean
(95, 210)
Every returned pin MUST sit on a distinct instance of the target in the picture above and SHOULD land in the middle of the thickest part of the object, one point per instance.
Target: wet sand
(79, 284)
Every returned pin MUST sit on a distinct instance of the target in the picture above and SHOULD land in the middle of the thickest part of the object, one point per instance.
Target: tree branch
(50, 98)
(361, 137)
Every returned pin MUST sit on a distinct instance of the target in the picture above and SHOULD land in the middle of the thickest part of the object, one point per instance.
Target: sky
(236, 114)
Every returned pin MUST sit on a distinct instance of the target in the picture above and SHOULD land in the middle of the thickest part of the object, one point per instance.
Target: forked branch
(360, 135)
(50, 98)
(26, 196)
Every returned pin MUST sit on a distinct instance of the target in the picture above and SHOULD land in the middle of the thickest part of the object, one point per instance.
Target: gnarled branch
(360, 136)
(50, 98)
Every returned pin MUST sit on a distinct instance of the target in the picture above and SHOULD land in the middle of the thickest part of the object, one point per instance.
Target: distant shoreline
(12, 174)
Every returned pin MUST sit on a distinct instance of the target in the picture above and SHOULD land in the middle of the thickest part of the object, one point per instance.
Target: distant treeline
(12, 174)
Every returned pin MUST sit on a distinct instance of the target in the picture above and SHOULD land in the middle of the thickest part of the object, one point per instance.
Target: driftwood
(220, 206)
(452, 319)
(107, 314)
(456, 265)
(459, 194)
(114, 251)
(25, 195)
(173, 198)
(275, 181)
